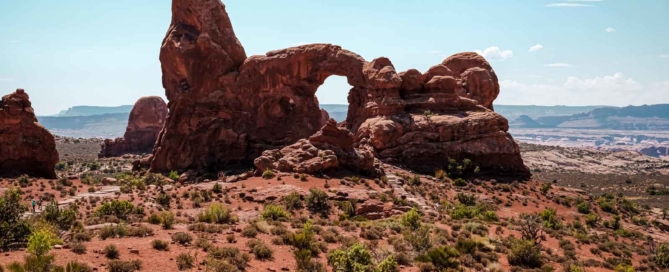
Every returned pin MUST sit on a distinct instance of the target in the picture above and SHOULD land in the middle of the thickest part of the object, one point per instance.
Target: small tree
(531, 228)
(13, 229)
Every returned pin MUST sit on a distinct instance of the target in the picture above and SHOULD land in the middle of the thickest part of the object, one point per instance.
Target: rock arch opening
(333, 97)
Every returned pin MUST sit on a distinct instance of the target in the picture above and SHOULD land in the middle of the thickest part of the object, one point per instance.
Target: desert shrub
(268, 174)
(441, 258)
(583, 207)
(348, 207)
(387, 265)
(466, 199)
(78, 248)
(120, 209)
(460, 182)
(160, 245)
(14, 230)
(274, 212)
(74, 266)
(411, 219)
(304, 239)
(164, 200)
(217, 214)
(167, 220)
(174, 175)
(63, 218)
(111, 252)
(154, 219)
(182, 238)
(525, 253)
(260, 249)
(592, 219)
(606, 205)
(662, 256)
(250, 231)
(217, 189)
(305, 263)
(490, 216)
(185, 261)
(228, 255)
(549, 218)
(124, 266)
(203, 227)
(544, 188)
(420, 239)
(317, 202)
(355, 258)
(293, 201)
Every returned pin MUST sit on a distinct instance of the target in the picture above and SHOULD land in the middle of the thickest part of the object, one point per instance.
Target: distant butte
(25, 146)
(144, 123)
(227, 108)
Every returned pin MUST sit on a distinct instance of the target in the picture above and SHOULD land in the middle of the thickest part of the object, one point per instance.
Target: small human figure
(39, 203)
(33, 203)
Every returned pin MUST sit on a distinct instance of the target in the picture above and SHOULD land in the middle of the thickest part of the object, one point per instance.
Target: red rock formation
(25, 146)
(144, 124)
(330, 148)
(226, 108)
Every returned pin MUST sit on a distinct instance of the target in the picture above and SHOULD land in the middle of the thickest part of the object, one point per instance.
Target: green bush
(466, 199)
(174, 175)
(442, 258)
(274, 212)
(525, 253)
(387, 265)
(260, 249)
(124, 266)
(355, 258)
(164, 200)
(167, 220)
(411, 219)
(662, 256)
(154, 219)
(185, 261)
(78, 248)
(549, 217)
(182, 238)
(217, 214)
(74, 266)
(317, 202)
(14, 230)
(250, 231)
(583, 207)
(304, 239)
(460, 182)
(120, 209)
(160, 245)
(217, 189)
(268, 174)
(293, 201)
(111, 252)
(227, 258)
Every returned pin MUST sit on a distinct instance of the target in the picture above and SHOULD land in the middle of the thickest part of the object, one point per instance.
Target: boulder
(25, 146)
(227, 108)
(144, 124)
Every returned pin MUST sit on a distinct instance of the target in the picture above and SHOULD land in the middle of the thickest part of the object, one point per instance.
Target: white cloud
(7, 80)
(610, 30)
(536, 47)
(568, 5)
(558, 64)
(615, 89)
(663, 56)
(494, 53)
(585, 0)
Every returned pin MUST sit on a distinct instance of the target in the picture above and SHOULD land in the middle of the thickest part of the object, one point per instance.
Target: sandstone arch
(226, 108)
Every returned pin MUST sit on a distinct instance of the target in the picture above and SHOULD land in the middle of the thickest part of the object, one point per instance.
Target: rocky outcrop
(227, 108)
(144, 124)
(328, 149)
(25, 146)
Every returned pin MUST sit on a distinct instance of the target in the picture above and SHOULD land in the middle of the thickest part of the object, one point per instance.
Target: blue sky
(608, 52)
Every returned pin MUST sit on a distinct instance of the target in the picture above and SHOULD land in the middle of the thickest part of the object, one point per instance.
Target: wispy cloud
(536, 47)
(568, 5)
(585, 0)
(610, 30)
(558, 64)
(494, 53)
(664, 56)
(7, 79)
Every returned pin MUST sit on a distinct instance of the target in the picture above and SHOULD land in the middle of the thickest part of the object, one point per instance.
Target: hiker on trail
(34, 204)
(39, 203)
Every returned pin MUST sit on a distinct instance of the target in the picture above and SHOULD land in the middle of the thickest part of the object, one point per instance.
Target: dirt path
(398, 189)
(105, 191)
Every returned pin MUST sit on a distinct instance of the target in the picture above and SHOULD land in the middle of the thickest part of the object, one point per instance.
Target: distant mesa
(144, 124)
(25, 146)
(227, 108)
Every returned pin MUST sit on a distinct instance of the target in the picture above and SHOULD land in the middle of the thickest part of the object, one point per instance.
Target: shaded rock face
(144, 124)
(25, 146)
(227, 108)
